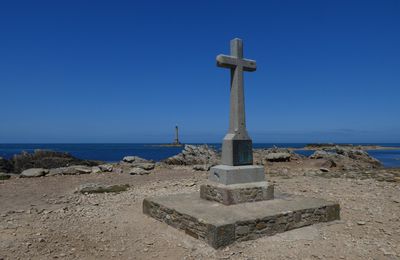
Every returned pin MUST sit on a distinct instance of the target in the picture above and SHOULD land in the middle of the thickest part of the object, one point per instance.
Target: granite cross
(237, 145)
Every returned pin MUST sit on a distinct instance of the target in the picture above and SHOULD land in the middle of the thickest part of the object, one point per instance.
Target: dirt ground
(42, 218)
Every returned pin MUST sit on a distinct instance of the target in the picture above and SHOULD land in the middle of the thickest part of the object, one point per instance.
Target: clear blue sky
(128, 71)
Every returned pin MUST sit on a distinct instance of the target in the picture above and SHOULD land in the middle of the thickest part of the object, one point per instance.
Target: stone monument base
(228, 175)
(221, 225)
(237, 193)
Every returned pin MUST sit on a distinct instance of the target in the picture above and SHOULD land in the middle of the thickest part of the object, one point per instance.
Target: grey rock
(134, 159)
(201, 167)
(101, 188)
(106, 167)
(144, 166)
(275, 154)
(138, 171)
(195, 155)
(71, 170)
(34, 172)
(96, 169)
(57, 171)
(278, 157)
(348, 159)
(78, 169)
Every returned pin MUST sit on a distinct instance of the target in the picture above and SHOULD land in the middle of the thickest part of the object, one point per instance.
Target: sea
(115, 152)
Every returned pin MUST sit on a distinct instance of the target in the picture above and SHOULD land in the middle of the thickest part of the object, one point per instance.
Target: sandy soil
(42, 218)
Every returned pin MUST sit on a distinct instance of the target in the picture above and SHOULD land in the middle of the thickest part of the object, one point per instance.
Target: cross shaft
(237, 145)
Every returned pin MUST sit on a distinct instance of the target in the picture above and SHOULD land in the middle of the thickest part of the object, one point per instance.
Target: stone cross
(237, 145)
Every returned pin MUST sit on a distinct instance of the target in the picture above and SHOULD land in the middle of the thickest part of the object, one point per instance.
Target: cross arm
(226, 61)
(249, 65)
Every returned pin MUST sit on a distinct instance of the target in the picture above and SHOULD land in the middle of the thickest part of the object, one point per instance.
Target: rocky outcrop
(347, 158)
(275, 154)
(195, 155)
(47, 160)
(134, 159)
(135, 165)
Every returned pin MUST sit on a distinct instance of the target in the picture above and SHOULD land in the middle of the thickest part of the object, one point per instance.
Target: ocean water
(115, 152)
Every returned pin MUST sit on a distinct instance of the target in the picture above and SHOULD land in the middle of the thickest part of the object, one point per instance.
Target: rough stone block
(228, 175)
(237, 193)
(221, 225)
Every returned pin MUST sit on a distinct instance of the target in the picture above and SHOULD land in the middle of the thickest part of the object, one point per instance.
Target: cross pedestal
(237, 203)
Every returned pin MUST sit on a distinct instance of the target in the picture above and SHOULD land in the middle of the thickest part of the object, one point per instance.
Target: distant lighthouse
(176, 141)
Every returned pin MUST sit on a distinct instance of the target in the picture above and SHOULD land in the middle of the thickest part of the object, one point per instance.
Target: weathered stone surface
(34, 172)
(195, 155)
(71, 170)
(201, 167)
(237, 144)
(237, 193)
(144, 166)
(134, 159)
(347, 158)
(138, 171)
(106, 167)
(278, 157)
(96, 169)
(101, 188)
(227, 175)
(221, 225)
(275, 154)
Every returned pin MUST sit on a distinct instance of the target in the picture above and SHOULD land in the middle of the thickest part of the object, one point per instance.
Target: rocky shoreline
(335, 161)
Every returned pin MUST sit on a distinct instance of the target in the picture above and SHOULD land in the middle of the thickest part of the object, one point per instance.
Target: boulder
(34, 172)
(134, 159)
(277, 157)
(144, 166)
(46, 159)
(275, 154)
(96, 169)
(319, 154)
(201, 167)
(195, 155)
(101, 188)
(138, 171)
(106, 167)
